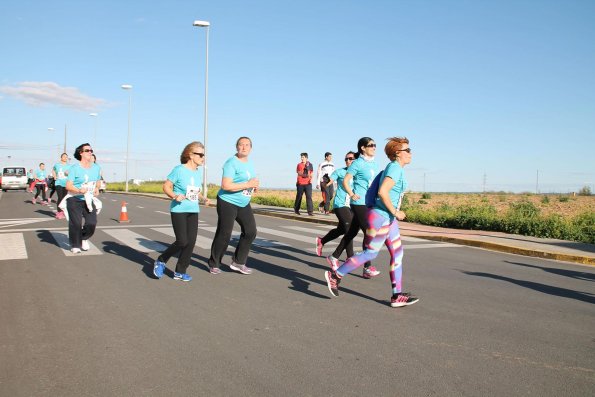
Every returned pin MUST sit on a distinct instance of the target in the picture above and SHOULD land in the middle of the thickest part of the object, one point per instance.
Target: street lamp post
(95, 116)
(129, 88)
(205, 24)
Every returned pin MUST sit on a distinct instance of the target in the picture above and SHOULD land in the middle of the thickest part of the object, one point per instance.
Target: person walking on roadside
(383, 226)
(82, 204)
(362, 171)
(40, 184)
(183, 187)
(304, 172)
(60, 173)
(341, 208)
(30, 180)
(238, 183)
(325, 169)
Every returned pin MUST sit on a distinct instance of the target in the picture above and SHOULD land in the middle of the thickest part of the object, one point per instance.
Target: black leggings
(359, 222)
(185, 226)
(40, 188)
(344, 215)
(77, 210)
(61, 191)
(228, 214)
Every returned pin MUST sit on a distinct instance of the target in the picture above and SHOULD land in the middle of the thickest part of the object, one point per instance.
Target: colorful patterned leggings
(380, 230)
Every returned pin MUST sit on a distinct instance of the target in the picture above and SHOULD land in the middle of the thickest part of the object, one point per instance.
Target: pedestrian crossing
(143, 238)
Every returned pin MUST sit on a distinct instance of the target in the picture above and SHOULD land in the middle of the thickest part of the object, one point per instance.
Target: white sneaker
(85, 245)
(76, 250)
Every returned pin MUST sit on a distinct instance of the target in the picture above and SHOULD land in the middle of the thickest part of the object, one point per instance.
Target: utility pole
(485, 177)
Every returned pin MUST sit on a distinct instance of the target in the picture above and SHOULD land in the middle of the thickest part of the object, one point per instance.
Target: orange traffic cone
(124, 213)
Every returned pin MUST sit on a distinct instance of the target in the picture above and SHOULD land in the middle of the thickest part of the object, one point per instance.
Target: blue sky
(494, 91)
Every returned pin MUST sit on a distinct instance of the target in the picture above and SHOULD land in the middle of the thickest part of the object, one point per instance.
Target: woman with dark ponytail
(361, 173)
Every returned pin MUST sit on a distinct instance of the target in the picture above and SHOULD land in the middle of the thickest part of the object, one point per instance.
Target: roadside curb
(582, 260)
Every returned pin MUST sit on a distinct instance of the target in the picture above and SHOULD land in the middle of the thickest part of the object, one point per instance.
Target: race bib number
(248, 192)
(192, 193)
(61, 175)
(90, 186)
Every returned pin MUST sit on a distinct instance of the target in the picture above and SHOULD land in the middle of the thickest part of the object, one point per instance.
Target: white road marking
(201, 241)
(35, 229)
(13, 246)
(162, 212)
(22, 221)
(138, 206)
(135, 240)
(258, 242)
(62, 241)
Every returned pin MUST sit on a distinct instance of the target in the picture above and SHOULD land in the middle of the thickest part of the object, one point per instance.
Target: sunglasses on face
(349, 158)
(201, 155)
(408, 150)
(88, 150)
(371, 145)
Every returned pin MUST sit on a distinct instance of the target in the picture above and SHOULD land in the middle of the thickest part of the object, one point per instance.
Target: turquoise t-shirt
(84, 177)
(363, 172)
(188, 183)
(40, 174)
(394, 171)
(61, 170)
(239, 172)
(341, 198)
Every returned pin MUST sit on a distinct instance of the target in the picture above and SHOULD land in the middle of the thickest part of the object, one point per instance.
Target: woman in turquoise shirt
(383, 225)
(233, 205)
(82, 185)
(361, 173)
(60, 173)
(340, 208)
(40, 184)
(183, 186)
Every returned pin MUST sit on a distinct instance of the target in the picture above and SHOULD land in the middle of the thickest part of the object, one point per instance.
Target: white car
(14, 178)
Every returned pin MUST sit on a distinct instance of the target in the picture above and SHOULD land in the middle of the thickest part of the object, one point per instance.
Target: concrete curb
(583, 260)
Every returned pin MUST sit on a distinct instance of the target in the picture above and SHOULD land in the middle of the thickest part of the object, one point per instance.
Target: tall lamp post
(205, 24)
(96, 117)
(129, 88)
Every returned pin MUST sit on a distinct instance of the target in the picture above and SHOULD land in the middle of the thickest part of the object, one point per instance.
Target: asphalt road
(99, 324)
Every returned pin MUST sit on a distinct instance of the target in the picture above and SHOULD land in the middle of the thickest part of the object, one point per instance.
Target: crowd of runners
(363, 198)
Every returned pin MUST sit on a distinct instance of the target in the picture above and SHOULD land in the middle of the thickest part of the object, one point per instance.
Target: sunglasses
(349, 158)
(201, 155)
(371, 145)
(408, 150)
(88, 150)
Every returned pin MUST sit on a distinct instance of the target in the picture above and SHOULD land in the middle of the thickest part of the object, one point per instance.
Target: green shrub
(426, 196)
(585, 191)
(421, 201)
(563, 199)
(545, 200)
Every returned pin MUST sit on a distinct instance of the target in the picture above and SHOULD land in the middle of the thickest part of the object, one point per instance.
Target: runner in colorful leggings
(383, 226)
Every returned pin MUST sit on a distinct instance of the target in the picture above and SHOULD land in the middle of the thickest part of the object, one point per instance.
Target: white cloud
(49, 93)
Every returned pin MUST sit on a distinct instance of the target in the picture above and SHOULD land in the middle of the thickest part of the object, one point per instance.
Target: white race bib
(248, 192)
(61, 175)
(90, 186)
(192, 193)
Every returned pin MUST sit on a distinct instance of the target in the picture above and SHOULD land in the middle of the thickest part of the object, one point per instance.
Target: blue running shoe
(158, 268)
(182, 277)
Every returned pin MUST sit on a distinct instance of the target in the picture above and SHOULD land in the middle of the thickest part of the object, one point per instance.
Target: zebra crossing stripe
(61, 239)
(201, 241)
(258, 242)
(135, 240)
(13, 246)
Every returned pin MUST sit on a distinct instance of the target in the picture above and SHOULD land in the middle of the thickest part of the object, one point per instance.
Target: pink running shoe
(403, 299)
(318, 246)
(33, 201)
(370, 272)
(333, 262)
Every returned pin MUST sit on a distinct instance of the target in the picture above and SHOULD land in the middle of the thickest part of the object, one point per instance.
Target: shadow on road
(112, 247)
(544, 288)
(561, 272)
